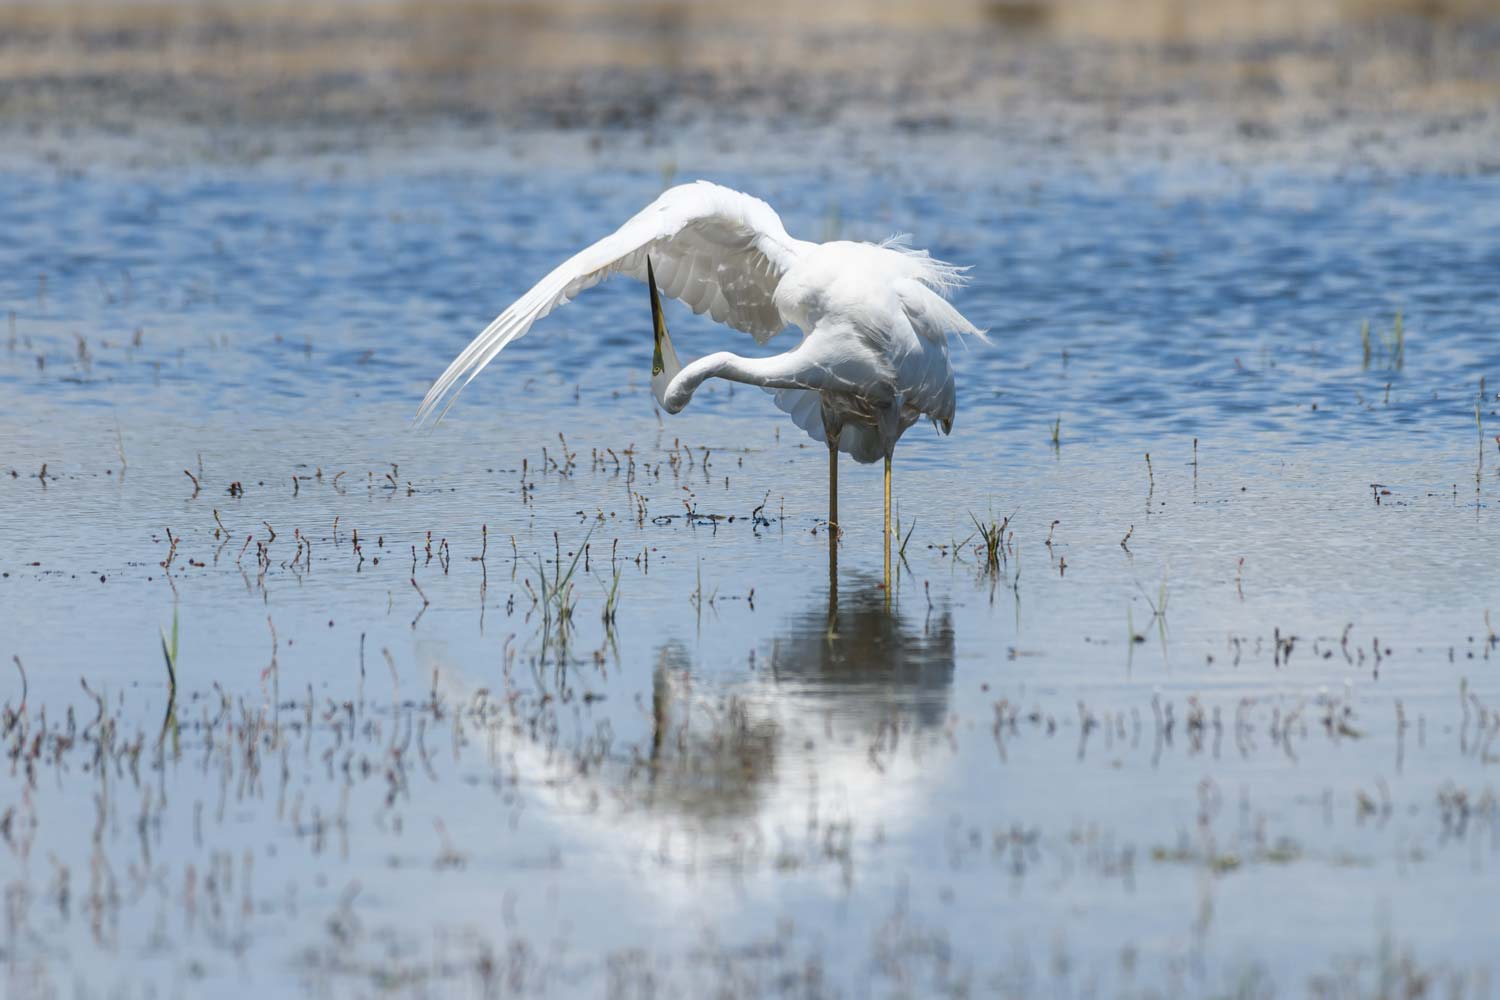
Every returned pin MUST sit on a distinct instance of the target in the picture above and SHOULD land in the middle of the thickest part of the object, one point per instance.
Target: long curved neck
(778, 372)
(673, 385)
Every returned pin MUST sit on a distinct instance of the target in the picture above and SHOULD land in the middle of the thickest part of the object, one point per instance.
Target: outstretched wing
(716, 249)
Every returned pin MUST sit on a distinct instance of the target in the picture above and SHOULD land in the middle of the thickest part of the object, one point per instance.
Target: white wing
(720, 251)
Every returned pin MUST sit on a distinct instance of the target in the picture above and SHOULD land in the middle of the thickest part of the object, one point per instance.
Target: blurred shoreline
(1388, 83)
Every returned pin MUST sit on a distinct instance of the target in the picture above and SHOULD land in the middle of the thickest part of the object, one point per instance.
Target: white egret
(875, 319)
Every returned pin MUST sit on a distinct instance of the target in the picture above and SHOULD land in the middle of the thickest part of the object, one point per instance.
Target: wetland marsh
(545, 700)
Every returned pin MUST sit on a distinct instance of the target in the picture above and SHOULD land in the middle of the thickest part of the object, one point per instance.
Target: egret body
(873, 359)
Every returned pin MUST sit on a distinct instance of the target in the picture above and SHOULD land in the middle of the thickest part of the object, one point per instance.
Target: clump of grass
(1056, 432)
(612, 599)
(558, 596)
(169, 653)
(698, 598)
(1158, 606)
(992, 542)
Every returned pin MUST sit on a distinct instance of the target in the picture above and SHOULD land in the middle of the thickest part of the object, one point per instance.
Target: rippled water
(1219, 721)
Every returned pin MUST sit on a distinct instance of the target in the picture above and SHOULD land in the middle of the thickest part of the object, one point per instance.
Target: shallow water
(1220, 720)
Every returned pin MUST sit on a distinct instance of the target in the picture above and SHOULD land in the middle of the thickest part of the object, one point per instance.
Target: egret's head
(664, 363)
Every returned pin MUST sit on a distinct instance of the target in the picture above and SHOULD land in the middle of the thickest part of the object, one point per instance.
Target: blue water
(1101, 769)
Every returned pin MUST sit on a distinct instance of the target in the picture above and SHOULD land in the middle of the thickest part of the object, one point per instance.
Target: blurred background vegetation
(1234, 72)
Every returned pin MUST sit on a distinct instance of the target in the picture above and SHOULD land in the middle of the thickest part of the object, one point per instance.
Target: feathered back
(938, 275)
(925, 290)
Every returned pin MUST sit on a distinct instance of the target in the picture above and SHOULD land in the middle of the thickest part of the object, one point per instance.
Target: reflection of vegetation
(169, 653)
(1391, 343)
(710, 756)
(716, 749)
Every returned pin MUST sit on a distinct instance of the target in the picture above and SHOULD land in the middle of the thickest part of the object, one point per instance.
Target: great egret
(874, 353)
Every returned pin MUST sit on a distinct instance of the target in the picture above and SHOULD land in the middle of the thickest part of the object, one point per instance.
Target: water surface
(1220, 721)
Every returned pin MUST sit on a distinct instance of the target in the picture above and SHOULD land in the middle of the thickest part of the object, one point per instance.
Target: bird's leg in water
(888, 422)
(887, 534)
(833, 523)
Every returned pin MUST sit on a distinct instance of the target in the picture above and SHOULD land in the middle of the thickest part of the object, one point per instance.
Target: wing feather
(722, 250)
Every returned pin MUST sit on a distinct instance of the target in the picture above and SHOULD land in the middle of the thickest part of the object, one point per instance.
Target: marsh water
(556, 697)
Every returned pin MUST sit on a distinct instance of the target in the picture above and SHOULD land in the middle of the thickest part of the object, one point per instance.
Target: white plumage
(874, 354)
(719, 251)
(875, 315)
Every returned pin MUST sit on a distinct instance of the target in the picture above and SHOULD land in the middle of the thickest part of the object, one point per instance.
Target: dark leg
(887, 534)
(833, 523)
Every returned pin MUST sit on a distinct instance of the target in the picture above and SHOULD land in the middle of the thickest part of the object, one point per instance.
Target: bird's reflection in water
(842, 705)
(781, 758)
